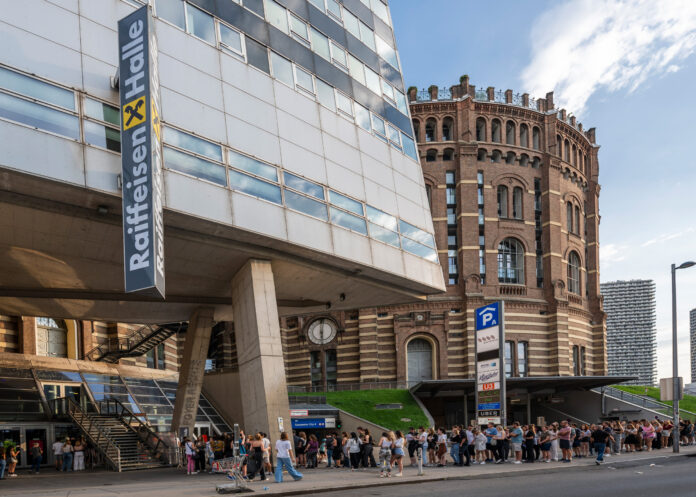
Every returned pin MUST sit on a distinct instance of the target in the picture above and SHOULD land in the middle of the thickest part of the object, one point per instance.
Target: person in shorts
(398, 452)
(516, 439)
(564, 436)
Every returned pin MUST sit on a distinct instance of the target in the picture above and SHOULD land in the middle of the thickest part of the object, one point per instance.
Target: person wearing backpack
(354, 450)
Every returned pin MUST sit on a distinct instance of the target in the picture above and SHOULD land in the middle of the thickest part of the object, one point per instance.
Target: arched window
(511, 261)
(431, 155)
(524, 136)
(416, 129)
(502, 201)
(480, 129)
(577, 220)
(447, 127)
(496, 131)
(429, 193)
(448, 154)
(510, 133)
(420, 360)
(536, 139)
(575, 155)
(536, 162)
(559, 146)
(569, 217)
(510, 158)
(517, 202)
(51, 337)
(574, 273)
(566, 151)
(585, 169)
(430, 127)
(524, 160)
(481, 155)
(496, 156)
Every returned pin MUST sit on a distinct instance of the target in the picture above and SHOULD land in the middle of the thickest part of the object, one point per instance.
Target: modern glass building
(631, 341)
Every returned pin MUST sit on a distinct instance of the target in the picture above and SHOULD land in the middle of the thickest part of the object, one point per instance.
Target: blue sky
(623, 67)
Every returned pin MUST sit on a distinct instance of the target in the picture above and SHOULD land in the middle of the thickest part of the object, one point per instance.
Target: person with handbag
(14, 459)
(68, 452)
(190, 451)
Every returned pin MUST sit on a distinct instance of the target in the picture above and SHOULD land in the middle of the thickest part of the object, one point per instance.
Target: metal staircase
(136, 344)
(125, 441)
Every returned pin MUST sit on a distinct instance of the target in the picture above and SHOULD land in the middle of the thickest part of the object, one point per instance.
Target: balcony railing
(442, 94)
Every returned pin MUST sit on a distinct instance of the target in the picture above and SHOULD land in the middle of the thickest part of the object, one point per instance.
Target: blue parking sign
(487, 316)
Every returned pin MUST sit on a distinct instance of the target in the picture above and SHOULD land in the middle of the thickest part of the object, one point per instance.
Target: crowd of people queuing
(561, 441)
(69, 454)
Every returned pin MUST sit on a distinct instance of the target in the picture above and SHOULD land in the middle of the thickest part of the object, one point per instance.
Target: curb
(393, 482)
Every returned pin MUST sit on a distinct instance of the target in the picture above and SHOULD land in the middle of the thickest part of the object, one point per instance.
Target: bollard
(420, 460)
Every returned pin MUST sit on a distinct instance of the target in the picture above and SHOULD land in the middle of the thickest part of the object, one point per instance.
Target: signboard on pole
(141, 154)
(490, 373)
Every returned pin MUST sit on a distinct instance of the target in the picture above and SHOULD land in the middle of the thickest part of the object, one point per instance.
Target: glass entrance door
(201, 429)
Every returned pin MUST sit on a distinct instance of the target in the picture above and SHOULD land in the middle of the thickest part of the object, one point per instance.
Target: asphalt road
(671, 479)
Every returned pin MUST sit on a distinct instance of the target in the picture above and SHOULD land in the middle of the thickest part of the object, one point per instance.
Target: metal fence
(341, 387)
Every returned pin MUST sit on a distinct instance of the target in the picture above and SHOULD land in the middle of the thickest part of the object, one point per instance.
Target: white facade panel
(378, 172)
(380, 197)
(303, 162)
(96, 76)
(184, 194)
(351, 245)
(345, 180)
(296, 104)
(187, 80)
(387, 257)
(342, 153)
(374, 147)
(299, 132)
(41, 153)
(71, 5)
(248, 108)
(252, 140)
(103, 13)
(102, 169)
(188, 49)
(99, 41)
(258, 216)
(246, 78)
(44, 19)
(308, 231)
(338, 126)
(34, 54)
(192, 115)
(410, 211)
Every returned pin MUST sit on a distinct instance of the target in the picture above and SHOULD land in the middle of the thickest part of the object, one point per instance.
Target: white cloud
(665, 237)
(580, 46)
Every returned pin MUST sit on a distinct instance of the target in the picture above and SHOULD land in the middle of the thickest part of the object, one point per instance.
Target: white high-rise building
(631, 341)
(692, 336)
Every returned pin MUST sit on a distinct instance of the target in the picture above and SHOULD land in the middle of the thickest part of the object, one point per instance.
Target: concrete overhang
(61, 255)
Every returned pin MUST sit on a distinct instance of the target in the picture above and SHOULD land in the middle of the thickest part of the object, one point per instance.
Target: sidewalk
(173, 483)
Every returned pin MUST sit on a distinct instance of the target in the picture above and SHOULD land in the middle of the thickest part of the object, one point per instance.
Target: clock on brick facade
(322, 331)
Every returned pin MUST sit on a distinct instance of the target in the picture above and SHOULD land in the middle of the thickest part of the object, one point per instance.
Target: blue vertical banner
(141, 155)
(489, 358)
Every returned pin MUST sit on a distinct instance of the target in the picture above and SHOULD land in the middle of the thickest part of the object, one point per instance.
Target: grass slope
(361, 403)
(688, 402)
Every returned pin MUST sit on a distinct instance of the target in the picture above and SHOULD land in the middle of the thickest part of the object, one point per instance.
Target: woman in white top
(190, 462)
(385, 444)
(553, 435)
(354, 451)
(398, 452)
(285, 459)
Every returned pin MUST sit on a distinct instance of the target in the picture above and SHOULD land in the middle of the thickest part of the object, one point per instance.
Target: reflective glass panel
(304, 79)
(101, 111)
(356, 68)
(195, 166)
(416, 234)
(381, 218)
(299, 27)
(386, 52)
(257, 55)
(378, 125)
(367, 36)
(200, 24)
(409, 146)
(372, 81)
(394, 135)
(346, 203)
(59, 375)
(304, 186)
(276, 15)
(253, 166)
(282, 69)
(325, 95)
(255, 187)
(381, 10)
(418, 249)
(192, 143)
(401, 102)
(387, 90)
(362, 117)
(25, 85)
(351, 23)
(338, 54)
(384, 235)
(349, 221)
(320, 44)
(172, 11)
(254, 5)
(305, 204)
(102, 136)
(231, 38)
(334, 8)
(39, 116)
(344, 103)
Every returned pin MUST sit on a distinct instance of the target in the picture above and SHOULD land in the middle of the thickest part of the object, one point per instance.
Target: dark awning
(530, 384)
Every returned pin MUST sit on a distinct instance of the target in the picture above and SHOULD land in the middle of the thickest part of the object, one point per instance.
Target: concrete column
(259, 350)
(192, 369)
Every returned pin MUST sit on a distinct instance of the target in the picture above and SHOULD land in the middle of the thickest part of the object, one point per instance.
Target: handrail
(122, 411)
(70, 407)
(640, 400)
(129, 343)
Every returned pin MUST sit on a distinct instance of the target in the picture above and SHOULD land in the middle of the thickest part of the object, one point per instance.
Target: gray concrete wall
(224, 392)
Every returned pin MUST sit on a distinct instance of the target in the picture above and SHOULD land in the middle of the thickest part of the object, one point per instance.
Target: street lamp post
(675, 366)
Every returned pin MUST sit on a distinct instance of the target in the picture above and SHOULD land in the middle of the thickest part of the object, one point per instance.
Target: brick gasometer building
(513, 187)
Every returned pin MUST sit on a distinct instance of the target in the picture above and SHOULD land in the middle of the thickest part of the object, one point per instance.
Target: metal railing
(639, 400)
(96, 434)
(126, 345)
(442, 94)
(341, 387)
(142, 430)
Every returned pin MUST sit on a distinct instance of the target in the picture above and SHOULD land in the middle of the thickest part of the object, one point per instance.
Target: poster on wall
(490, 375)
